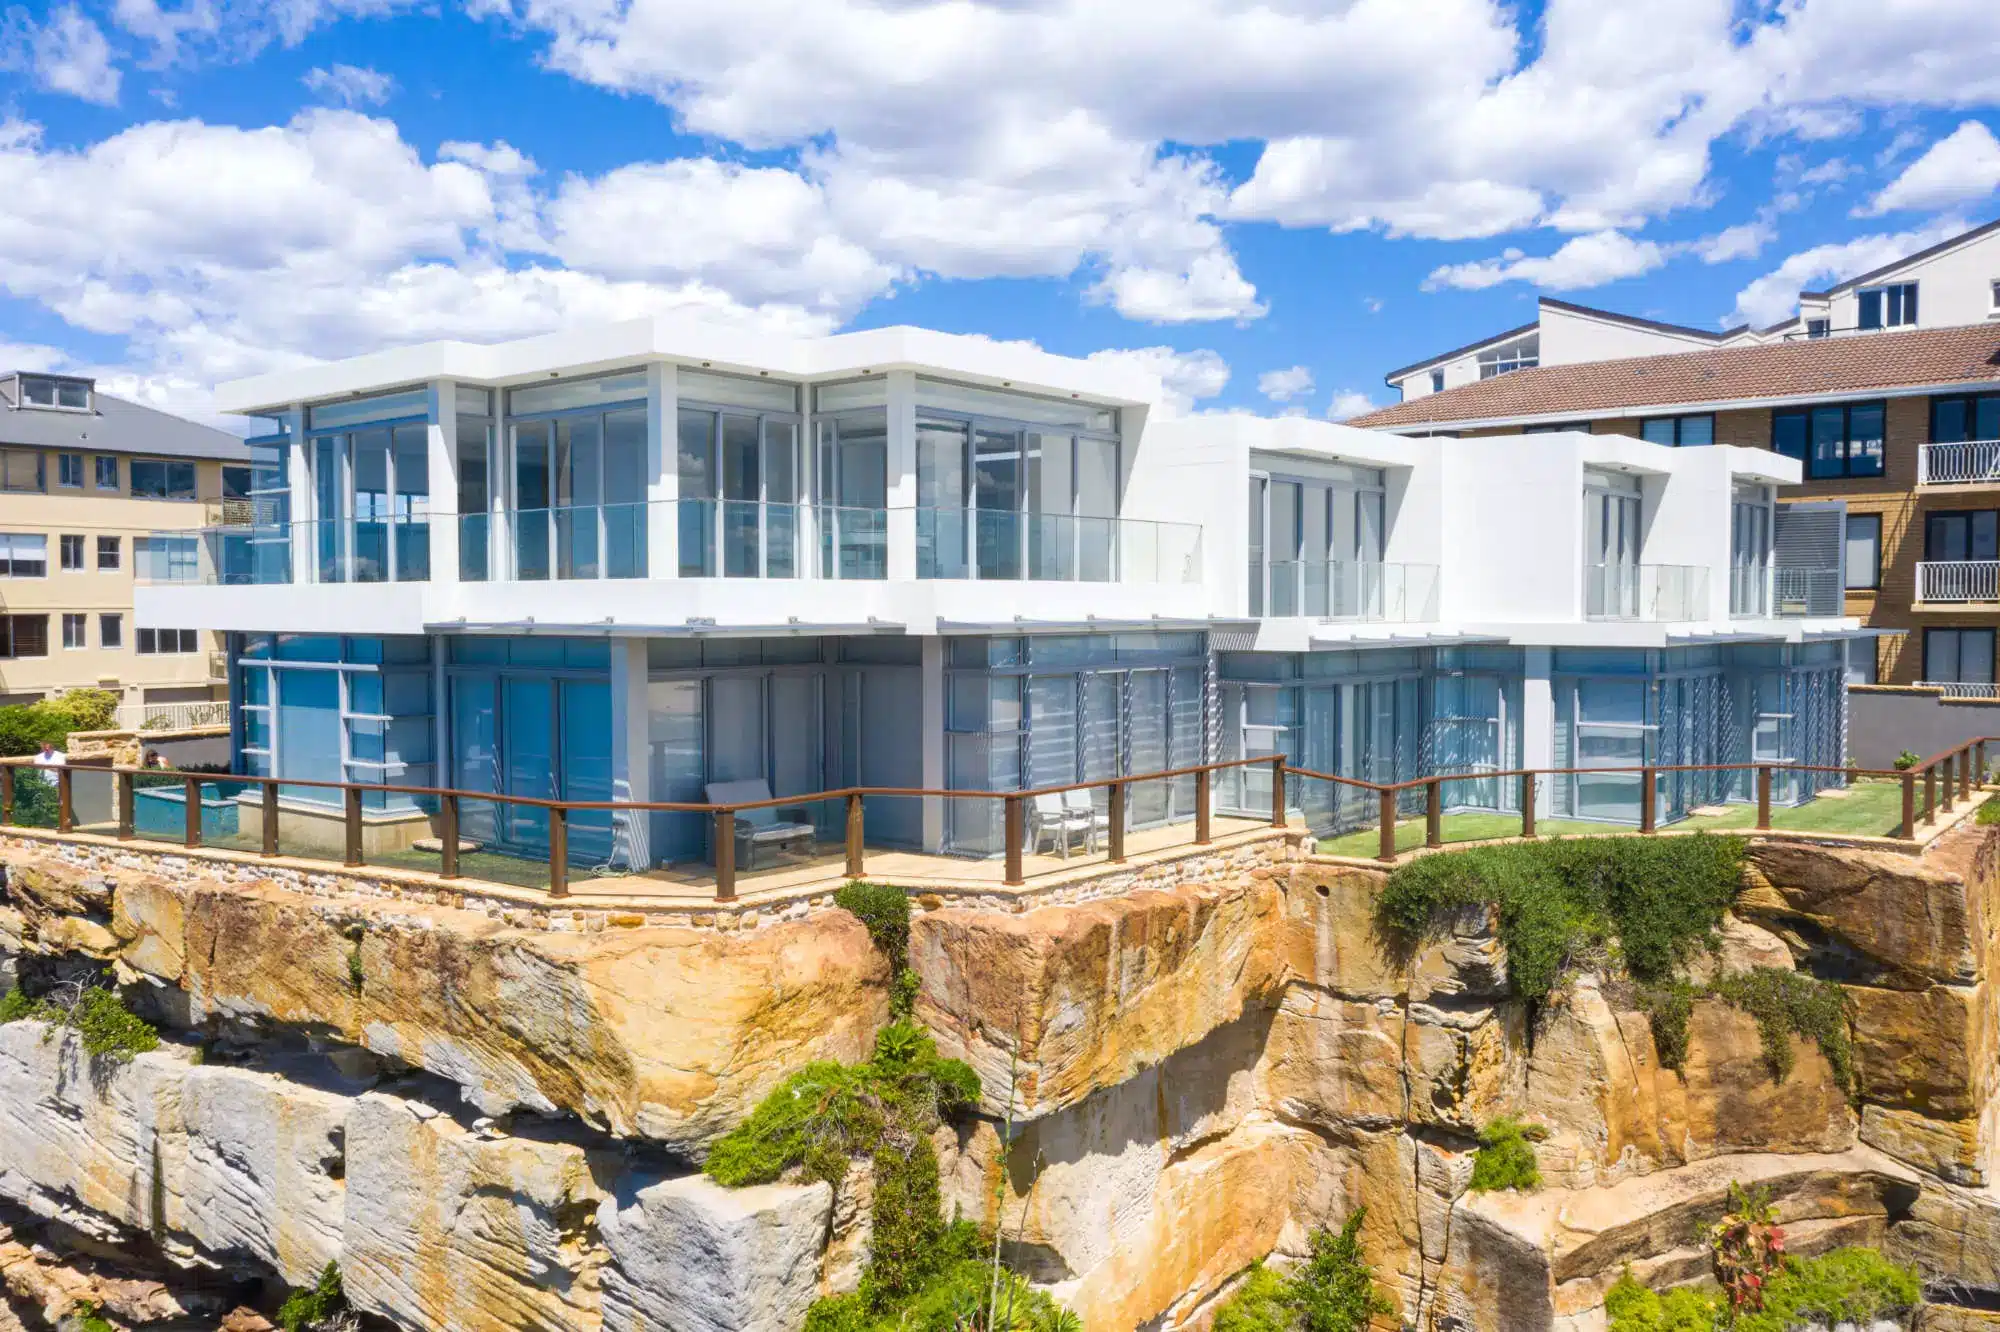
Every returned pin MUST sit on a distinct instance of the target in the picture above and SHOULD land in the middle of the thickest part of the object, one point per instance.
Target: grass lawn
(1873, 808)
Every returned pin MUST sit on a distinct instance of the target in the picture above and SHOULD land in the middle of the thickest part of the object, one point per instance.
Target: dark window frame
(1958, 673)
(169, 474)
(1969, 515)
(1807, 454)
(24, 636)
(97, 470)
(65, 543)
(1679, 427)
(69, 465)
(1891, 305)
(110, 629)
(1971, 402)
(116, 546)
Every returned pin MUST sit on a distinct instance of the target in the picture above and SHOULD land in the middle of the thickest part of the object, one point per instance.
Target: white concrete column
(443, 510)
(1538, 720)
(663, 472)
(902, 450)
(932, 705)
(631, 757)
(298, 481)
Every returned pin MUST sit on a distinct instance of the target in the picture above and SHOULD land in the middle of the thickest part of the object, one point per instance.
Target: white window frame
(111, 630)
(65, 543)
(75, 630)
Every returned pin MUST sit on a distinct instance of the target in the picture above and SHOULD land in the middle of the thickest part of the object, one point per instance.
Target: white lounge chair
(1050, 819)
(1083, 807)
(759, 832)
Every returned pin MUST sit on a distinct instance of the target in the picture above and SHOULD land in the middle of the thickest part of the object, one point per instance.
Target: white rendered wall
(1954, 288)
(1569, 338)
(1512, 534)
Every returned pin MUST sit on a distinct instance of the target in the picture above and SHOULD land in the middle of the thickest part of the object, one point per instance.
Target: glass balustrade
(1351, 590)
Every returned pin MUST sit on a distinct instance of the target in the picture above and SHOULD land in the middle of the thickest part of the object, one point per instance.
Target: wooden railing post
(1965, 773)
(1930, 793)
(1950, 786)
(1979, 748)
(1649, 804)
(1763, 797)
(448, 835)
(1016, 829)
(1386, 846)
(351, 818)
(725, 855)
(855, 826)
(1527, 804)
(191, 815)
(1278, 791)
(1434, 812)
(559, 854)
(1909, 829)
(66, 801)
(127, 808)
(7, 793)
(270, 818)
(1204, 831)
(1116, 815)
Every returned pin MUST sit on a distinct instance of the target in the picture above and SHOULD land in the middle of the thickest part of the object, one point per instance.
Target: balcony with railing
(1971, 462)
(1762, 591)
(1352, 590)
(1946, 581)
(704, 538)
(1657, 592)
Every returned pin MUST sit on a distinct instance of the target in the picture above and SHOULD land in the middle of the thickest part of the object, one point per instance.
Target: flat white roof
(743, 351)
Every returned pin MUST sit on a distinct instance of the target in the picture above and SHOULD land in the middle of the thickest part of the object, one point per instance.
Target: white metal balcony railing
(1958, 580)
(1350, 590)
(1669, 592)
(171, 716)
(1762, 591)
(1967, 463)
(1963, 688)
(707, 539)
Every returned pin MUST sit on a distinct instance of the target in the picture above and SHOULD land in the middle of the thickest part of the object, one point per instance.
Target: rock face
(696, 1257)
(1201, 1076)
(667, 1033)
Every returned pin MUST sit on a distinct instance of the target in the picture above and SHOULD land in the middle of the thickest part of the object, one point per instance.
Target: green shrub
(1906, 760)
(98, 1016)
(1660, 899)
(1845, 1286)
(1786, 1003)
(305, 1309)
(88, 1316)
(1332, 1291)
(885, 912)
(1989, 814)
(1506, 1157)
(24, 726)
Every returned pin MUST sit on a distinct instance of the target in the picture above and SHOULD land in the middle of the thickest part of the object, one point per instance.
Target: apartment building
(87, 480)
(636, 562)
(1886, 389)
(1953, 284)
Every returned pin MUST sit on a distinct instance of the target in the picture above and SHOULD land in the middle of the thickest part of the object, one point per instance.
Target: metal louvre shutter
(1809, 558)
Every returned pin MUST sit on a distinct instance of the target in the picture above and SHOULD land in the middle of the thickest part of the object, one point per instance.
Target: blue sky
(1294, 194)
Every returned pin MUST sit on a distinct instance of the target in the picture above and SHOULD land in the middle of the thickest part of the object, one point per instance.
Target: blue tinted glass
(479, 651)
(1948, 420)
(308, 647)
(364, 693)
(587, 652)
(535, 651)
(1696, 431)
(1658, 431)
(1788, 434)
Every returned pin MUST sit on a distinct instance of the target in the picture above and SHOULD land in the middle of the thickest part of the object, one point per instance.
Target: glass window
(562, 394)
(1889, 307)
(1679, 431)
(108, 553)
(23, 555)
(24, 635)
(106, 472)
(771, 395)
(157, 478)
(1437, 381)
(1958, 419)
(1659, 430)
(69, 471)
(1958, 656)
(1864, 550)
(20, 469)
(111, 630)
(381, 407)
(1973, 535)
(71, 551)
(75, 630)
(1844, 440)
(1022, 407)
(1788, 434)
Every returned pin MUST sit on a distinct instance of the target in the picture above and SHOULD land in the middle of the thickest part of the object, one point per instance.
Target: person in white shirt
(50, 757)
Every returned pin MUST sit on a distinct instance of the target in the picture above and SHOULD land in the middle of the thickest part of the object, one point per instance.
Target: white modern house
(1953, 284)
(637, 561)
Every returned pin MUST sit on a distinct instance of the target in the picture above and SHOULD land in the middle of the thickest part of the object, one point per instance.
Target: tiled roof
(1777, 370)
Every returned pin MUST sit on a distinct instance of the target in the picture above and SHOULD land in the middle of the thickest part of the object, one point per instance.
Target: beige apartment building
(86, 480)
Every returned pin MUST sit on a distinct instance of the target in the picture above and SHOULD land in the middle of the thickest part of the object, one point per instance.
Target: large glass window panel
(1314, 549)
(1864, 439)
(1255, 525)
(329, 455)
(533, 491)
(697, 514)
(1829, 441)
(998, 485)
(586, 767)
(474, 498)
(941, 493)
(1658, 430)
(1950, 420)
(742, 489)
(1283, 538)
(411, 535)
(1147, 745)
(528, 758)
(1788, 434)
(625, 476)
(735, 728)
(854, 479)
(1052, 532)
(309, 738)
(372, 508)
(675, 735)
(781, 494)
(1052, 732)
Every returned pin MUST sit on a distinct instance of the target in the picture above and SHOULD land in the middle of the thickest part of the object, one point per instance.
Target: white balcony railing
(172, 716)
(1762, 591)
(1958, 580)
(1963, 688)
(1669, 592)
(1968, 463)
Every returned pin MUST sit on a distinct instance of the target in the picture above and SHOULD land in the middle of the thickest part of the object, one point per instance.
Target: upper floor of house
(656, 478)
(64, 438)
(1954, 284)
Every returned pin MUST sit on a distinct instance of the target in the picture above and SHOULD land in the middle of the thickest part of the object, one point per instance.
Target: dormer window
(1816, 328)
(1889, 307)
(55, 393)
(1523, 355)
(1996, 296)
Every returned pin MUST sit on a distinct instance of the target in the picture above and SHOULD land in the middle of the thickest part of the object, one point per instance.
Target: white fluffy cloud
(1961, 167)
(1349, 403)
(65, 53)
(1585, 261)
(1285, 385)
(350, 85)
(1774, 296)
(1183, 378)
